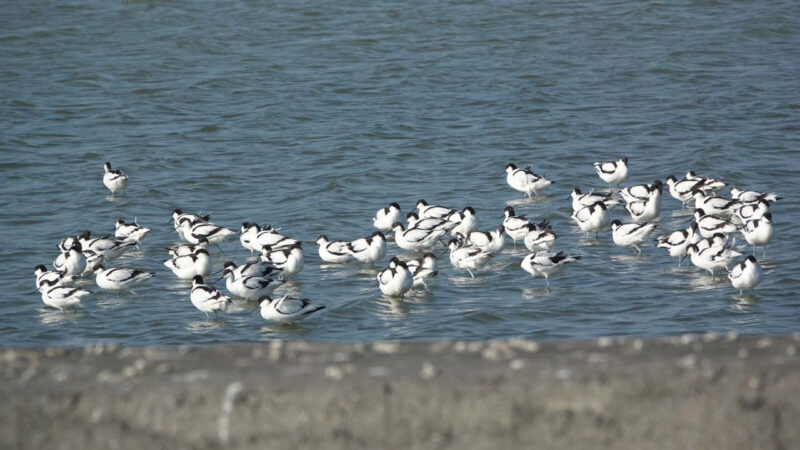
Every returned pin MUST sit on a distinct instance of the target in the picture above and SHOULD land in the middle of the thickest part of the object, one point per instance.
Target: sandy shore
(688, 392)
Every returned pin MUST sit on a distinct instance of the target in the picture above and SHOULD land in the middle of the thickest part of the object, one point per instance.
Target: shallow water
(311, 117)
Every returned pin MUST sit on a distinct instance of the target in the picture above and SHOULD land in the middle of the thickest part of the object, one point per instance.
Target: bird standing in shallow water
(612, 172)
(113, 179)
(746, 275)
(546, 264)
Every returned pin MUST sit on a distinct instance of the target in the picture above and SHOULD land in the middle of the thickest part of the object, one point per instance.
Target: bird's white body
(289, 260)
(71, 262)
(207, 298)
(114, 180)
(468, 258)
(247, 236)
(250, 288)
(537, 239)
(488, 241)
(214, 234)
(545, 264)
(631, 234)
(746, 275)
(130, 232)
(63, 297)
(120, 278)
(334, 251)
(639, 191)
(677, 241)
(713, 205)
(108, 249)
(709, 224)
(612, 172)
(752, 196)
(429, 223)
(580, 200)
(592, 218)
(525, 180)
(427, 211)
(189, 266)
(758, 231)
(46, 279)
(466, 221)
(396, 279)
(287, 309)
(258, 269)
(645, 210)
(416, 239)
(712, 258)
(271, 239)
(386, 217)
(423, 269)
(751, 211)
(368, 250)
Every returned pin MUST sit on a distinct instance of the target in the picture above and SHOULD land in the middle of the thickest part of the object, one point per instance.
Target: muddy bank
(688, 392)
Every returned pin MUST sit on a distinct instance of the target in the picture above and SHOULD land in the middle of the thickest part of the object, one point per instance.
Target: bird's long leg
(638, 250)
(470, 274)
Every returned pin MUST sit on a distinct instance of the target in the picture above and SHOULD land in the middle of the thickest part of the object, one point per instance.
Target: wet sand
(687, 392)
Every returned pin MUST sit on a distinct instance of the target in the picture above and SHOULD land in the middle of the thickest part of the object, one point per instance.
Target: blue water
(312, 116)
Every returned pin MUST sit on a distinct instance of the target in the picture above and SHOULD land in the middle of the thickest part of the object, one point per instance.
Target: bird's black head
(394, 205)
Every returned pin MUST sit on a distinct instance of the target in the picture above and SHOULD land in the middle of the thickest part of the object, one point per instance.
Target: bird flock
(708, 242)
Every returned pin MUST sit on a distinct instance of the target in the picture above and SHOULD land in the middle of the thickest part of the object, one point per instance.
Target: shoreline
(692, 391)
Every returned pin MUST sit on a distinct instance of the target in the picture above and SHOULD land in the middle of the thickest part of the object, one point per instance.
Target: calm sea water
(312, 116)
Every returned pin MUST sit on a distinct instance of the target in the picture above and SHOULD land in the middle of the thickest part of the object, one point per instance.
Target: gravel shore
(687, 392)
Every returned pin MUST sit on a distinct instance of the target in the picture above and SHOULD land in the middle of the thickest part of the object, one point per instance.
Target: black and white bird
(714, 205)
(46, 279)
(258, 269)
(249, 288)
(518, 226)
(114, 179)
(752, 196)
(746, 275)
(707, 184)
(538, 238)
(214, 234)
(62, 297)
(416, 239)
(72, 261)
(130, 232)
(592, 218)
(466, 221)
(467, 257)
(682, 190)
(710, 224)
(546, 264)
(289, 260)
(181, 219)
(631, 234)
(525, 180)
(677, 241)
(368, 250)
(396, 279)
(334, 251)
(108, 249)
(120, 278)
(612, 172)
(751, 211)
(758, 232)
(287, 309)
(488, 241)
(188, 266)
(386, 217)
(646, 210)
(712, 258)
(247, 235)
(207, 298)
(186, 249)
(427, 210)
(639, 191)
(580, 200)
(423, 269)
(271, 239)
(718, 240)
(429, 223)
